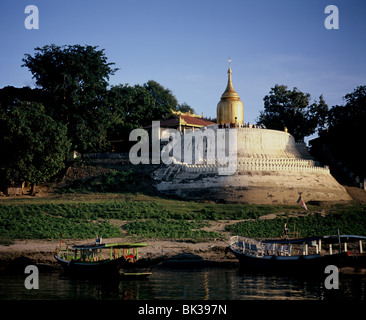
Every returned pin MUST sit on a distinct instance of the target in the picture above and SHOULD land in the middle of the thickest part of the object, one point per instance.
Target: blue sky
(184, 45)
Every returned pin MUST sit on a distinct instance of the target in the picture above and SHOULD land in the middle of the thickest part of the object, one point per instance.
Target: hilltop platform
(271, 169)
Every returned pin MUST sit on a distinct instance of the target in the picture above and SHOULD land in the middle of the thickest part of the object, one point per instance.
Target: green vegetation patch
(163, 218)
(128, 181)
(38, 225)
(174, 229)
(311, 225)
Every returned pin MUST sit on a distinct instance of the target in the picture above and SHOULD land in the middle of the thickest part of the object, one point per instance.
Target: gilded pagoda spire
(230, 91)
(230, 108)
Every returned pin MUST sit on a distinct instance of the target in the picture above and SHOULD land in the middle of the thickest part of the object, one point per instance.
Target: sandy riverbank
(203, 253)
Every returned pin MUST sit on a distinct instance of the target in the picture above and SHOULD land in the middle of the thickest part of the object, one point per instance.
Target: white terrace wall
(271, 168)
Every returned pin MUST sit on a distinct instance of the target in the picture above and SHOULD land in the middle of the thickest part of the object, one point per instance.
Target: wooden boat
(299, 256)
(106, 260)
(133, 268)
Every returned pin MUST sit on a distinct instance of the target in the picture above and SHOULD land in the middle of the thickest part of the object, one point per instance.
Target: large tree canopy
(292, 109)
(71, 107)
(343, 139)
(129, 108)
(76, 79)
(352, 116)
(163, 98)
(135, 107)
(33, 146)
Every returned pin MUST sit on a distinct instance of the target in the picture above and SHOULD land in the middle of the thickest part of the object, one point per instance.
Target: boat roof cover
(326, 239)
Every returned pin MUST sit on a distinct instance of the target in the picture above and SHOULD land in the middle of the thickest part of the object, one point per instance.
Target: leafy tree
(33, 146)
(129, 108)
(292, 109)
(75, 77)
(163, 98)
(184, 107)
(351, 116)
(135, 107)
(318, 114)
(341, 141)
(10, 96)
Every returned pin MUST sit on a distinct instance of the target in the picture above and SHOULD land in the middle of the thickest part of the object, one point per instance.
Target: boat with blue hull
(297, 256)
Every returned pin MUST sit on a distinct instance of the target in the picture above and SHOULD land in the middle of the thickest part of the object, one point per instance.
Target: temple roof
(185, 120)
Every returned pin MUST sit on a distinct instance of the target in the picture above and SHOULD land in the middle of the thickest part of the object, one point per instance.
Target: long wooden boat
(295, 256)
(106, 260)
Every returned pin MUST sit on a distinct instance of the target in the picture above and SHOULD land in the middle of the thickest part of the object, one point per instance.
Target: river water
(167, 284)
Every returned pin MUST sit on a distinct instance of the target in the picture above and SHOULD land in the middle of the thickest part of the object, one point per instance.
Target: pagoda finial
(229, 92)
(229, 70)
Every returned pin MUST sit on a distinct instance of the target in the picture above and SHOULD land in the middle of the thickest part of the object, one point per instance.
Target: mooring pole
(339, 241)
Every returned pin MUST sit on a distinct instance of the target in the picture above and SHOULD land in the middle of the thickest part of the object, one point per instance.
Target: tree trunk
(33, 190)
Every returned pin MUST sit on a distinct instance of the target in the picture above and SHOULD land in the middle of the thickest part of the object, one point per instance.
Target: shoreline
(178, 253)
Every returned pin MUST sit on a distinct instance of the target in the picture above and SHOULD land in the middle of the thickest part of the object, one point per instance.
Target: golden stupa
(230, 108)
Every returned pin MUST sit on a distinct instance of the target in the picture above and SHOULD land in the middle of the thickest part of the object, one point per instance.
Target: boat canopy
(124, 245)
(325, 239)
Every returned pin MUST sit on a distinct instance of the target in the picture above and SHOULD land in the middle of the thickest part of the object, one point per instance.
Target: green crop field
(346, 223)
(82, 216)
